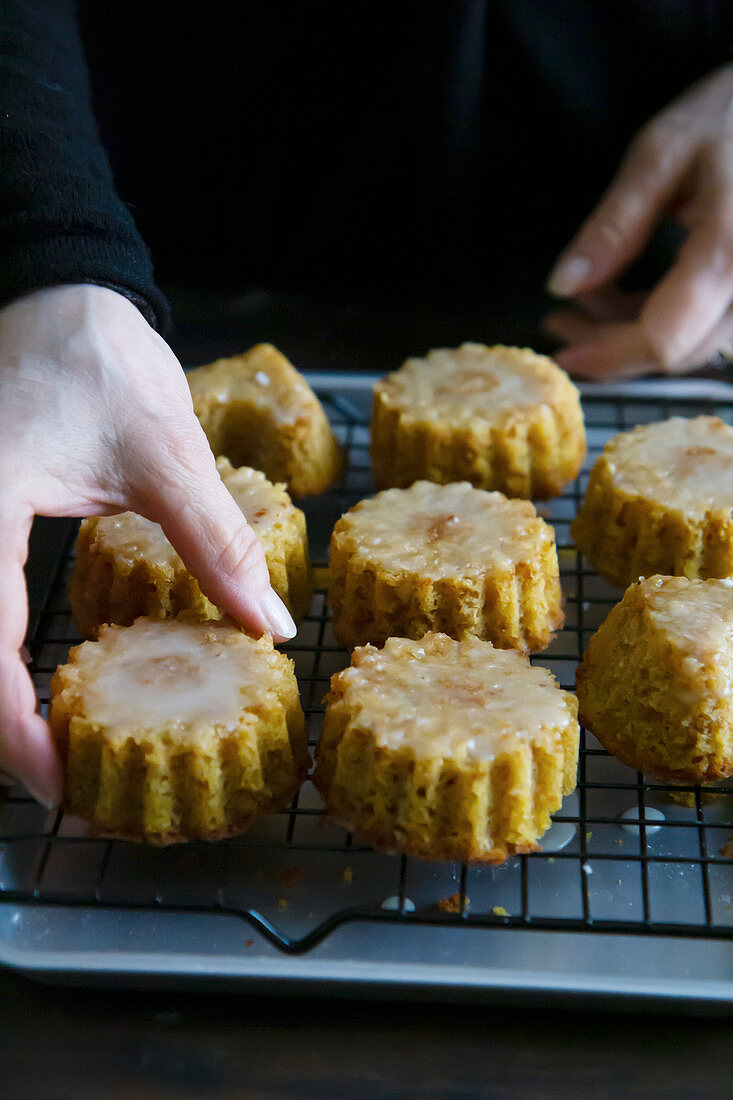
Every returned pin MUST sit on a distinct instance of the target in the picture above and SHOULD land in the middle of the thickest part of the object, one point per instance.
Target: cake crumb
(348, 876)
(499, 911)
(589, 834)
(682, 798)
(452, 904)
(249, 943)
(282, 903)
(291, 876)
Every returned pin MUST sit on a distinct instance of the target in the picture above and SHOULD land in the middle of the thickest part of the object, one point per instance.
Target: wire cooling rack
(625, 854)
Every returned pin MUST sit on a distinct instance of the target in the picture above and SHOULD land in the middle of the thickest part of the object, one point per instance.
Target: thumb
(182, 491)
(26, 748)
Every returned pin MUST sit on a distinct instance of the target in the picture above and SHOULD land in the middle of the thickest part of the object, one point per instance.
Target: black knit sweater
(437, 146)
(61, 220)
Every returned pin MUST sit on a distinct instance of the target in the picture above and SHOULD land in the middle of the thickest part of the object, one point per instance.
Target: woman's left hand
(680, 163)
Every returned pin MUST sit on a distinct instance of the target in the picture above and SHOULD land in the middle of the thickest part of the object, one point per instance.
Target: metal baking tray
(629, 901)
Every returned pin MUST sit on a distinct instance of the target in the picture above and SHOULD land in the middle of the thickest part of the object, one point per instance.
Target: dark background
(395, 175)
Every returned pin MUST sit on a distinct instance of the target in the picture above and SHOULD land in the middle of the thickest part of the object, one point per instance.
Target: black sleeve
(61, 220)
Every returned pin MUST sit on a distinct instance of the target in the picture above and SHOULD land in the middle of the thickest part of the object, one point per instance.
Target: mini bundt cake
(447, 558)
(176, 730)
(125, 567)
(258, 410)
(655, 683)
(502, 418)
(660, 500)
(446, 750)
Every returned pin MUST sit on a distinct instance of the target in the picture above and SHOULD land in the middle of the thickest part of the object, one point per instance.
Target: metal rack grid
(624, 855)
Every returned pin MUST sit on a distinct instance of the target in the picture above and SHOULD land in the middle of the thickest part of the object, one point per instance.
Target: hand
(680, 163)
(96, 418)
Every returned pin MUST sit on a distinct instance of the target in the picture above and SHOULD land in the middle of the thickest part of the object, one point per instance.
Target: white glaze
(460, 384)
(173, 675)
(262, 378)
(696, 616)
(463, 700)
(681, 464)
(446, 530)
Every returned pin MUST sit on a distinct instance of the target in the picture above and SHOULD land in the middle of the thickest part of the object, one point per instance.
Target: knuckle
(610, 230)
(668, 343)
(724, 238)
(241, 553)
(182, 445)
(168, 456)
(655, 149)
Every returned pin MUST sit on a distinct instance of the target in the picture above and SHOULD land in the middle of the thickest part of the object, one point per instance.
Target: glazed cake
(502, 418)
(448, 558)
(446, 750)
(656, 683)
(258, 410)
(176, 730)
(660, 500)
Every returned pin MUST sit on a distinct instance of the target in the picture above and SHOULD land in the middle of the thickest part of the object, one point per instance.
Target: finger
(182, 491)
(589, 317)
(570, 326)
(694, 296)
(717, 347)
(622, 351)
(620, 226)
(26, 747)
(27, 751)
(609, 303)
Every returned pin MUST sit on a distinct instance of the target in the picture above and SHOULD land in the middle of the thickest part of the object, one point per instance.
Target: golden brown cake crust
(258, 410)
(447, 558)
(502, 418)
(177, 730)
(446, 750)
(655, 683)
(125, 567)
(660, 500)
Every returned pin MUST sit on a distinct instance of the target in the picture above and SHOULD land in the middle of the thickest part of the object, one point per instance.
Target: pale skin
(680, 163)
(96, 417)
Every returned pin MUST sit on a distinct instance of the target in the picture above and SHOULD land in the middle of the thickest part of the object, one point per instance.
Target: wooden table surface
(60, 1042)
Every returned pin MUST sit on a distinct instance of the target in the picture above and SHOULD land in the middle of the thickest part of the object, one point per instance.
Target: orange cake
(444, 557)
(445, 749)
(660, 500)
(125, 567)
(656, 683)
(177, 730)
(501, 418)
(258, 410)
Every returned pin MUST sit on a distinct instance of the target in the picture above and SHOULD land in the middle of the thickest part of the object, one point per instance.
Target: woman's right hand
(96, 418)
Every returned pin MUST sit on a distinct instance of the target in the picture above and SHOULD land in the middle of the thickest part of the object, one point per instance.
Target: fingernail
(568, 276)
(277, 617)
(41, 796)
